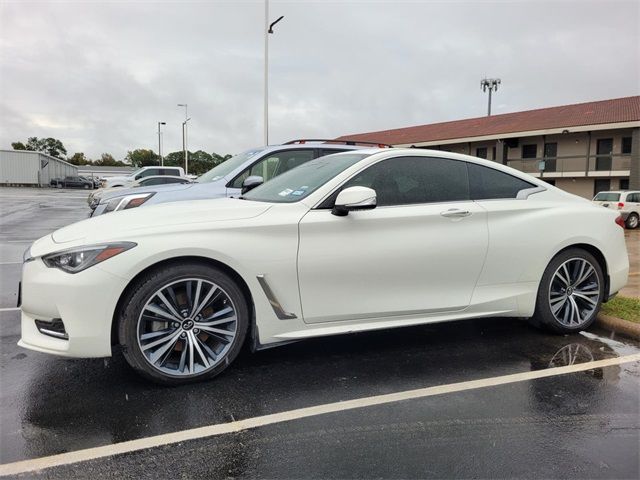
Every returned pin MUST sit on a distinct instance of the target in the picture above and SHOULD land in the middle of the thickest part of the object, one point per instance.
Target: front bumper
(84, 301)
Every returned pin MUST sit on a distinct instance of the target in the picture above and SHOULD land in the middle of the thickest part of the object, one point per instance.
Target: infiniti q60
(355, 241)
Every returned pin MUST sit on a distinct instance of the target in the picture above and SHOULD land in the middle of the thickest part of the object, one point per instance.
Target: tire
(85, 186)
(58, 185)
(193, 352)
(632, 221)
(570, 307)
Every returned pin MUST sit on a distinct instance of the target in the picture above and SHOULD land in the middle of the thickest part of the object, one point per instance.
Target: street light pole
(185, 147)
(268, 28)
(491, 84)
(160, 143)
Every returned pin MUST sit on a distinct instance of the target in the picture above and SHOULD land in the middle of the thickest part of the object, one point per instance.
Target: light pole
(184, 138)
(184, 145)
(268, 28)
(160, 143)
(491, 84)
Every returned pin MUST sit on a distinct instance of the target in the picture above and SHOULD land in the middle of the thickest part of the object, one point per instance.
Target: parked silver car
(247, 169)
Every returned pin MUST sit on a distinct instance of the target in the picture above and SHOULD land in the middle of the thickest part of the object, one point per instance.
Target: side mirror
(354, 198)
(251, 182)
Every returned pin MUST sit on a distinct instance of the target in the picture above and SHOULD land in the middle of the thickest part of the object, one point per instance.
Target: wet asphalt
(579, 425)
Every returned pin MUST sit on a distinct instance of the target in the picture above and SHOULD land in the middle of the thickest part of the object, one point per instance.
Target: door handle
(455, 213)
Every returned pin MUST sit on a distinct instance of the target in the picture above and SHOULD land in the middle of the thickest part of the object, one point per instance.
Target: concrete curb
(623, 327)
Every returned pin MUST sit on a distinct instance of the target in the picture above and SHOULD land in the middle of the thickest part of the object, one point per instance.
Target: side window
(148, 173)
(153, 181)
(488, 183)
(174, 180)
(411, 180)
(275, 164)
(170, 171)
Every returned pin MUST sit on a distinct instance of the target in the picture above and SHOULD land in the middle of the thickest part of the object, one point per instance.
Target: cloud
(100, 75)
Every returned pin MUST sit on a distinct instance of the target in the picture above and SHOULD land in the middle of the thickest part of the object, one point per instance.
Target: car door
(271, 166)
(420, 251)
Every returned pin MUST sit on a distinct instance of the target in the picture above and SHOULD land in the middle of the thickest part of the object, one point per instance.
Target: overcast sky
(99, 75)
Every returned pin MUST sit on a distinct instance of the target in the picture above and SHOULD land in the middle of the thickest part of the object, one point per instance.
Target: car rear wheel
(183, 323)
(571, 292)
(632, 221)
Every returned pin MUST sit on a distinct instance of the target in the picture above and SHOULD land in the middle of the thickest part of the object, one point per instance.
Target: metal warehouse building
(20, 167)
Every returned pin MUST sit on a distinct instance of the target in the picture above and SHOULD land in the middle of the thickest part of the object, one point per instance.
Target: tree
(200, 162)
(50, 146)
(107, 160)
(142, 157)
(174, 159)
(79, 158)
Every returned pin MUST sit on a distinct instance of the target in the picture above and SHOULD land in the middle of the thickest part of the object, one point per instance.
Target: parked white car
(349, 242)
(627, 202)
(127, 180)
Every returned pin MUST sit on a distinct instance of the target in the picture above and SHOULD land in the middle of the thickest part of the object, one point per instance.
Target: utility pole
(185, 147)
(160, 143)
(491, 84)
(268, 29)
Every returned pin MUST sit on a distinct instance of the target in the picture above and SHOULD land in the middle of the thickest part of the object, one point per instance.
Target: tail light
(620, 221)
(620, 205)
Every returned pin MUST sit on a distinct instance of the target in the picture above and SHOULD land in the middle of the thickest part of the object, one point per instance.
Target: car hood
(151, 220)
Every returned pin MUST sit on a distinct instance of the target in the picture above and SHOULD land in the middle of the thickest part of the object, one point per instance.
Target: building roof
(617, 110)
(99, 168)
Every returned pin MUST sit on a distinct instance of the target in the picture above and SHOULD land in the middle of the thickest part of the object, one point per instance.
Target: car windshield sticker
(285, 192)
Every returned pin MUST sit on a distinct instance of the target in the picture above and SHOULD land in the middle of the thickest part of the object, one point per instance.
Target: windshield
(607, 197)
(226, 167)
(299, 182)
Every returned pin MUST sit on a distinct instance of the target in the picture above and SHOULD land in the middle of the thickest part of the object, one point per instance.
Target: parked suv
(124, 181)
(72, 182)
(245, 170)
(627, 202)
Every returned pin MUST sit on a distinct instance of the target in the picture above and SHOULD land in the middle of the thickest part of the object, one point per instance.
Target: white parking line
(25, 466)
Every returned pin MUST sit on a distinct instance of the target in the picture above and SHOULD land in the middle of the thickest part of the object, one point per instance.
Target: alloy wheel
(187, 327)
(574, 292)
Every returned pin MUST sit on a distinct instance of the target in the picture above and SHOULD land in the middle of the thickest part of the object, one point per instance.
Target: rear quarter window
(488, 183)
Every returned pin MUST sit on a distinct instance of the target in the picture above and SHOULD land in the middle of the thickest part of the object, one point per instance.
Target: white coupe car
(349, 242)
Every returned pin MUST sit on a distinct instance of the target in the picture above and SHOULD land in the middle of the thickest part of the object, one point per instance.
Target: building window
(529, 151)
(601, 185)
(550, 154)
(481, 152)
(626, 145)
(624, 184)
(493, 153)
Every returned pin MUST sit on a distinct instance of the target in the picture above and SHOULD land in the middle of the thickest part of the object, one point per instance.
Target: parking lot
(484, 398)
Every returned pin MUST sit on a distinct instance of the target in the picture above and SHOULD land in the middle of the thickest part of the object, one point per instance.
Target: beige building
(583, 148)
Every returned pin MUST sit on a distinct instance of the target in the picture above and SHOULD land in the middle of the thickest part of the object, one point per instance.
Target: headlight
(75, 260)
(127, 201)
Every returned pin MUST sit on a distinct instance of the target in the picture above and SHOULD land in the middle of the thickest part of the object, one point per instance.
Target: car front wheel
(632, 221)
(183, 323)
(571, 292)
